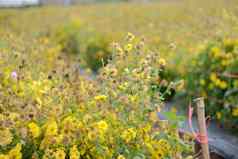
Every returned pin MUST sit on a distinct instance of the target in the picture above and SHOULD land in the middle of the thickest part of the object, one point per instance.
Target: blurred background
(9, 3)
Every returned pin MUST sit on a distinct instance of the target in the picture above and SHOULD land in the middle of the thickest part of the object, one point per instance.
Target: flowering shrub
(214, 75)
(97, 52)
(49, 111)
(67, 36)
(91, 47)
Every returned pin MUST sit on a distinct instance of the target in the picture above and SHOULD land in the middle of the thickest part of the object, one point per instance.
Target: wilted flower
(130, 37)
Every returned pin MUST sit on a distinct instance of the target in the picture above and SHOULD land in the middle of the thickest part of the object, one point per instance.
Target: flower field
(88, 81)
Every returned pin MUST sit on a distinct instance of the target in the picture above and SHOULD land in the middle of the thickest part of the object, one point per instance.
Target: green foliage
(49, 111)
(92, 48)
(213, 74)
(97, 52)
(68, 37)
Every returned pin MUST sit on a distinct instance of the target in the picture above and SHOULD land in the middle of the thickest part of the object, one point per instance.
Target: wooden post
(202, 127)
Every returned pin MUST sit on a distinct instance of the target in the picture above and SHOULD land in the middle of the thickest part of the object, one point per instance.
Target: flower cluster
(214, 75)
(50, 111)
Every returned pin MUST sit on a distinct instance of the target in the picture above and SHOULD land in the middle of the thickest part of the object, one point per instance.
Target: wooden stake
(202, 127)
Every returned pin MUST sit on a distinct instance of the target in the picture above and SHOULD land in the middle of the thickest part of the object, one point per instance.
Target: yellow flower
(219, 115)
(15, 153)
(165, 146)
(225, 62)
(202, 82)
(229, 44)
(223, 85)
(100, 98)
(130, 36)
(133, 98)
(215, 52)
(51, 128)
(213, 77)
(121, 157)
(92, 135)
(5, 137)
(59, 154)
(129, 134)
(74, 153)
(39, 101)
(123, 86)
(4, 156)
(102, 125)
(128, 47)
(34, 129)
(159, 154)
(235, 112)
(162, 62)
(217, 82)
